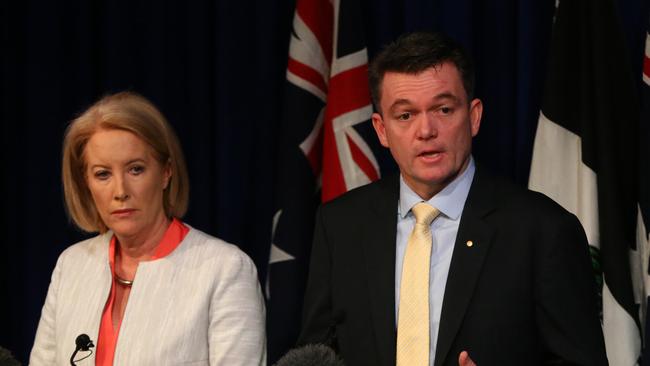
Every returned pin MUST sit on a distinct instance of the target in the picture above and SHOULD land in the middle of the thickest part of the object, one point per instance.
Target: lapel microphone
(83, 343)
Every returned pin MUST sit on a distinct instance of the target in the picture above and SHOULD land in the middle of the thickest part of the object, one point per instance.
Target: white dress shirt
(450, 201)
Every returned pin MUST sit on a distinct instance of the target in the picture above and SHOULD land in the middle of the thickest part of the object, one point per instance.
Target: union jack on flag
(334, 70)
(327, 147)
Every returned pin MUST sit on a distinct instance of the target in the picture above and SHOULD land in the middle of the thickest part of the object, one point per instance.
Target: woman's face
(126, 182)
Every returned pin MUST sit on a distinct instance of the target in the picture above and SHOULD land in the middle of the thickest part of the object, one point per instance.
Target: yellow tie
(413, 323)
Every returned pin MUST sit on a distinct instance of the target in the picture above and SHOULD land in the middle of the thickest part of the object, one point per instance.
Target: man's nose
(426, 127)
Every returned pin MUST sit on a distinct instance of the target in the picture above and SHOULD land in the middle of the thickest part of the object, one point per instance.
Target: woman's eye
(404, 116)
(102, 174)
(137, 169)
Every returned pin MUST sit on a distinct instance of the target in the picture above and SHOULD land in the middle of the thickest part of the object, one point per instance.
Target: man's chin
(435, 178)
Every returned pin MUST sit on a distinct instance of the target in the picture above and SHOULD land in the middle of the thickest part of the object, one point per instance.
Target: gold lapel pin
(469, 243)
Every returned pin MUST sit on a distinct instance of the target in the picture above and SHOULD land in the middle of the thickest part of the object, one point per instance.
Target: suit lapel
(379, 248)
(466, 262)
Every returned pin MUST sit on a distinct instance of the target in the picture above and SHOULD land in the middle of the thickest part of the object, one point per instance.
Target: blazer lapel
(466, 262)
(379, 248)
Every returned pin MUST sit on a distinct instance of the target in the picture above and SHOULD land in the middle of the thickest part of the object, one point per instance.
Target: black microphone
(83, 343)
(311, 355)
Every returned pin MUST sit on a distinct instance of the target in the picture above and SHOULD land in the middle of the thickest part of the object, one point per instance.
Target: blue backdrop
(216, 69)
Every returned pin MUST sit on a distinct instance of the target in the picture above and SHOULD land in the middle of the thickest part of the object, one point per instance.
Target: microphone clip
(82, 343)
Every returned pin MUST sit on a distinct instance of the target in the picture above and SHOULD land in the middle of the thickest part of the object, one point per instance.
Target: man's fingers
(465, 360)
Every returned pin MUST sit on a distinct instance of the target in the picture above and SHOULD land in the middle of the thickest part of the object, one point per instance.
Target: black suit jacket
(523, 294)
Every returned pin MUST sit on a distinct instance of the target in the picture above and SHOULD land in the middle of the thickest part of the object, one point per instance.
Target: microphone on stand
(83, 343)
(317, 354)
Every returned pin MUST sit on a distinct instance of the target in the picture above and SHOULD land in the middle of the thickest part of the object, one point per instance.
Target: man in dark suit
(491, 273)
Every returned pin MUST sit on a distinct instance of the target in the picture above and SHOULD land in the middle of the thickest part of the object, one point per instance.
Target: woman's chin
(125, 229)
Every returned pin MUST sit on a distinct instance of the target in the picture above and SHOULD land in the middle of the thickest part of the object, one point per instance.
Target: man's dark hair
(413, 53)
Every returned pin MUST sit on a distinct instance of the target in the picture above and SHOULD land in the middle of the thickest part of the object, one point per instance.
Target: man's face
(428, 125)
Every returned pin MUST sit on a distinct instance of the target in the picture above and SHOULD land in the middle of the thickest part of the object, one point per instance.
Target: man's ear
(475, 113)
(380, 129)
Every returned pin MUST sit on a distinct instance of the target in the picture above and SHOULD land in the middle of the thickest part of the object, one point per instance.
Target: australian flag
(326, 148)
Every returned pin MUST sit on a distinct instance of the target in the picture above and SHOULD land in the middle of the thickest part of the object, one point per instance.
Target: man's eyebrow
(445, 96)
(437, 98)
(399, 103)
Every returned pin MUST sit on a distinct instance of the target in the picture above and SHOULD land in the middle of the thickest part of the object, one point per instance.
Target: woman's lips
(124, 212)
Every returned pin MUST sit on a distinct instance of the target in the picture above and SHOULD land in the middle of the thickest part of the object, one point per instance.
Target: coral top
(107, 334)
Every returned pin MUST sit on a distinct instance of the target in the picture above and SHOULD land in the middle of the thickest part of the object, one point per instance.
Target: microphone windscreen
(311, 355)
(83, 342)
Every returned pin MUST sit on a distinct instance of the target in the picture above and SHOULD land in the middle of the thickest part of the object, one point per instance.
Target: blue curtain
(216, 69)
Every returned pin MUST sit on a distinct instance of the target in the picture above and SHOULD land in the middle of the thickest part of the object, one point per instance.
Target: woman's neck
(142, 246)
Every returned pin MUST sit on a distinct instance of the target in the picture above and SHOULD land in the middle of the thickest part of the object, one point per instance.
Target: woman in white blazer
(149, 289)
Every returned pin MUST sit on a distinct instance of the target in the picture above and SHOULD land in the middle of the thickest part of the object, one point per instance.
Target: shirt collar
(450, 200)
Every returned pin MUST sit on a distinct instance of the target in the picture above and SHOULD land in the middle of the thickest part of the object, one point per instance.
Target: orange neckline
(108, 335)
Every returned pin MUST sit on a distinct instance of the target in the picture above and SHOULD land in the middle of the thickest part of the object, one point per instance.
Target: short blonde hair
(130, 112)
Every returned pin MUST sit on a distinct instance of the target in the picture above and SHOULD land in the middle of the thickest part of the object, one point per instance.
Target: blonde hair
(130, 112)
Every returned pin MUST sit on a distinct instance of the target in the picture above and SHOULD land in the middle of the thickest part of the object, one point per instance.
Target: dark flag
(643, 221)
(326, 148)
(586, 152)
